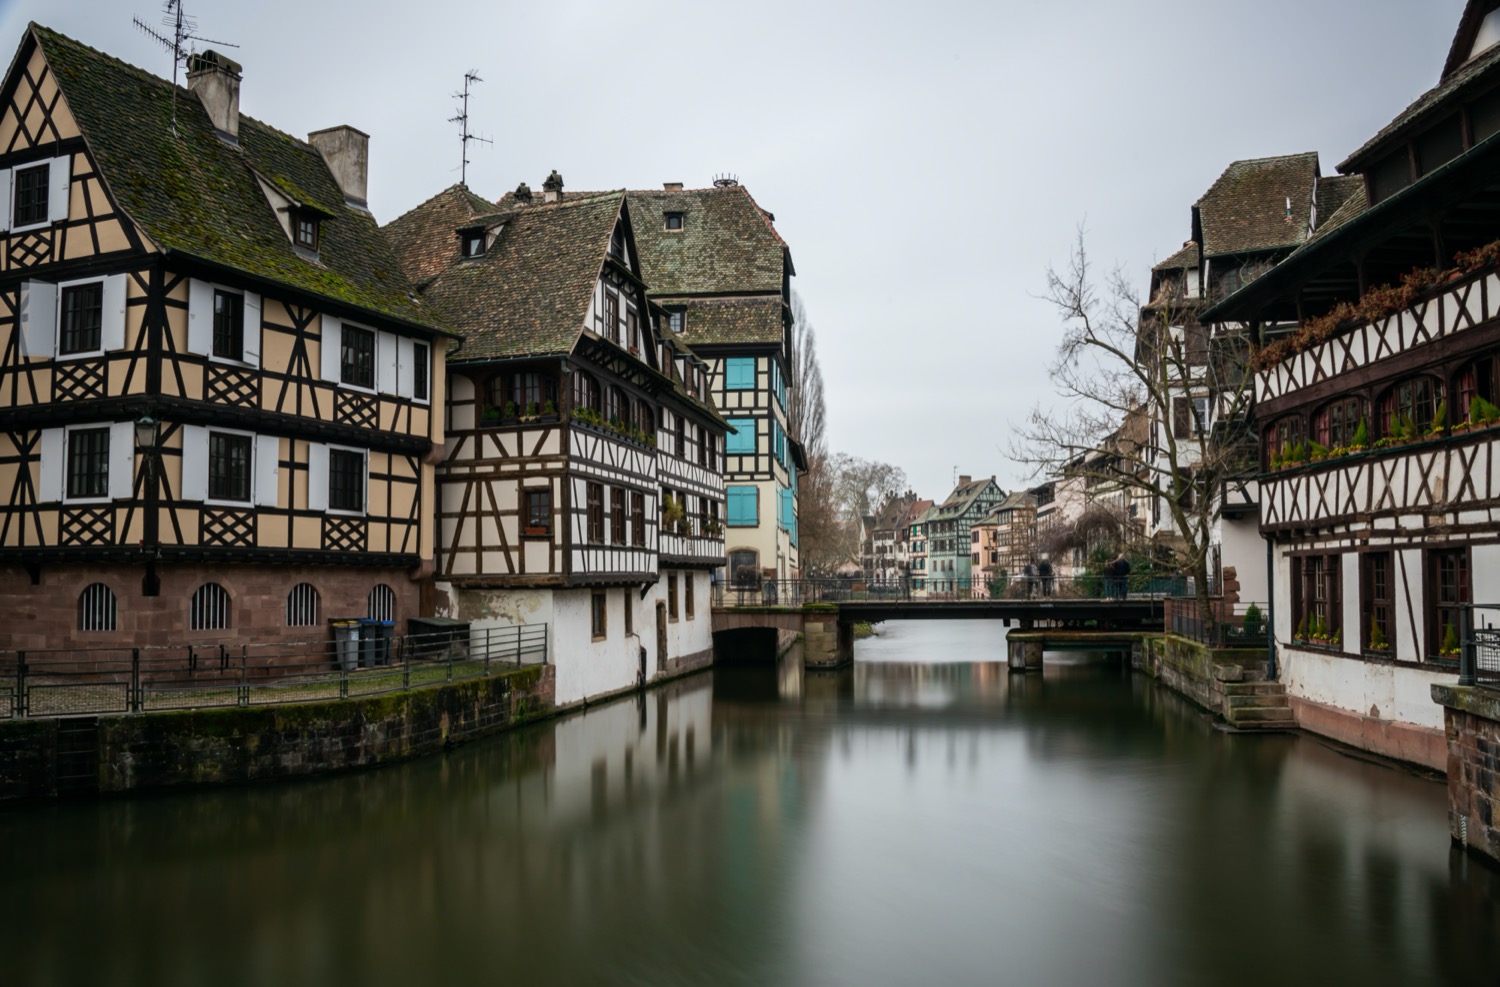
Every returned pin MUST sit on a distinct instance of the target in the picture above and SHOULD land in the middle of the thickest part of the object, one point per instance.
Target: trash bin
(345, 643)
(375, 641)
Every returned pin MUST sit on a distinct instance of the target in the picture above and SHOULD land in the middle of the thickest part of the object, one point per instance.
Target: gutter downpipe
(1271, 600)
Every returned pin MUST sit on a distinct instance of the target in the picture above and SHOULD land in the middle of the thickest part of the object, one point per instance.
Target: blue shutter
(739, 373)
(742, 507)
(742, 440)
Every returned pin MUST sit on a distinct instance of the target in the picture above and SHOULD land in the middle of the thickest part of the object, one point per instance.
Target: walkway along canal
(923, 816)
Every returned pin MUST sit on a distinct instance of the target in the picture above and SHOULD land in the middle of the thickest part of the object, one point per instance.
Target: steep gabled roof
(425, 239)
(1340, 199)
(963, 496)
(1467, 34)
(529, 293)
(194, 194)
(1182, 260)
(1258, 205)
(727, 243)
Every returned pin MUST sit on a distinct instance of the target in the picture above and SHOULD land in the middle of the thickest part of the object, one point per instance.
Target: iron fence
(797, 592)
(1228, 624)
(1479, 647)
(49, 683)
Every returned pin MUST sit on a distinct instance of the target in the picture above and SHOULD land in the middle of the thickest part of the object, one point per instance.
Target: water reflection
(897, 822)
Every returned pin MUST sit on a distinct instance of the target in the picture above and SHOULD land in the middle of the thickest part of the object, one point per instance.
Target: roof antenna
(463, 120)
(183, 26)
(726, 181)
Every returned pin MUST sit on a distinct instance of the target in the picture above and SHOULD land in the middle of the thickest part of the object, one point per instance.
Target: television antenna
(183, 26)
(462, 120)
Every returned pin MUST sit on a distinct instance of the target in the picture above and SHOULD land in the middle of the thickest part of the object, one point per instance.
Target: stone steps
(1260, 688)
(1258, 706)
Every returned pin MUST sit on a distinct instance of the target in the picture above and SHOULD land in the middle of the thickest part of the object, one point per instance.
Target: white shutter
(267, 454)
(39, 318)
(112, 319)
(49, 483)
(5, 198)
(387, 358)
(194, 463)
(405, 369)
(317, 477)
(121, 460)
(60, 186)
(251, 354)
(200, 317)
(330, 347)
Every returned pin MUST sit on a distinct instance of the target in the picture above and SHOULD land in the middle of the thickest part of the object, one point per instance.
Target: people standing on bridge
(1028, 580)
(1044, 570)
(1115, 572)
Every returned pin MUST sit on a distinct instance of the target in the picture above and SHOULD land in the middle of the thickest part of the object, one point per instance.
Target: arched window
(97, 608)
(494, 394)
(531, 391)
(302, 606)
(1409, 406)
(210, 608)
(1336, 422)
(616, 406)
(1284, 435)
(381, 604)
(1475, 379)
(585, 391)
(645, 421)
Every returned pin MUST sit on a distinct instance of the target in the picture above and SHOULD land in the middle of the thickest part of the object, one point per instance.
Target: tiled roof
(733, 320)
(1182, 260)
(1246, 209)
(529, 293)
(425, 239)
(196, 195)
(1340, 199)
(962, 497)
(727, 243)
(1435, 100)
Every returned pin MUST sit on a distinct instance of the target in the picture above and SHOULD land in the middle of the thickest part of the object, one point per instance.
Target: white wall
(1241, 546)
(1388, 691)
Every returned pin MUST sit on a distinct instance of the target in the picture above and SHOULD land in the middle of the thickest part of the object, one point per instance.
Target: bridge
(1093, 612)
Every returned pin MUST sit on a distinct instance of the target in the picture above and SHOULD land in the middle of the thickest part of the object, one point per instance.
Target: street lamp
(147, 434)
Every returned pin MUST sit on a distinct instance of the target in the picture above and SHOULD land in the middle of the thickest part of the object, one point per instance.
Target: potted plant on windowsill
(489, 418)
(508, 415)
(672, 513)
(713, 528)
(1378, 643)
(1299, 636)
(548, 412)
(1450, 647)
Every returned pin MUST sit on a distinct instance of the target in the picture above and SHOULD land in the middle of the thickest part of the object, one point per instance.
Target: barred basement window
(97, 608)
(302, 606)
(382, 603)
(210, 608)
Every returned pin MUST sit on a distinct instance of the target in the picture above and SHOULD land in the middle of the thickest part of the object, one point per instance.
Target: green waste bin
(375, 642)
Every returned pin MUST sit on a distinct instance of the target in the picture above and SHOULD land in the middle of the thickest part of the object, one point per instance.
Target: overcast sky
(926, 162)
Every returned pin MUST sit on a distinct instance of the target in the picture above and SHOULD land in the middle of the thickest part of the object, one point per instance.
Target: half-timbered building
(950, 567)
(582, 483)
(717, 265)
(1375, 401)
(216, 388)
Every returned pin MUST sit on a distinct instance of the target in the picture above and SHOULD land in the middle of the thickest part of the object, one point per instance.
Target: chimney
(523, 192)
(672, 186)
(347, 153)
(216, 80)
(552, 187)
(964, 479)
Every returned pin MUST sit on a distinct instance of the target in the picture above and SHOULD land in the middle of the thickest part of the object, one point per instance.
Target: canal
(921, 818)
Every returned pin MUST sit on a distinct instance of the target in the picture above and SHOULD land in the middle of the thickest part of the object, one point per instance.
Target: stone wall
(1198, 671)
(138, 752)
(1471, 721)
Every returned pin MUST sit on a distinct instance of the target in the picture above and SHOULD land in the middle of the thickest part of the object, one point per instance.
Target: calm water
(923, 818)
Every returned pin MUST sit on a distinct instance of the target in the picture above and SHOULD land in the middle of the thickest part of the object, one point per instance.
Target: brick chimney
(347, 153)
(216, 80)
(672, 186)
(552, 187)
(965, 479)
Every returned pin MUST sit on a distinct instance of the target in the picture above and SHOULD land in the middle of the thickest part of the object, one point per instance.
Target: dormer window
(473, 243)
(305, 230)
(674, 221)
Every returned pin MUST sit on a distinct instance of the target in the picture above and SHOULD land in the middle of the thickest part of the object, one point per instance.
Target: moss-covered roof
(1259, 205)
(733, 321)
(194, 194)
(529, 293)
(726, 244)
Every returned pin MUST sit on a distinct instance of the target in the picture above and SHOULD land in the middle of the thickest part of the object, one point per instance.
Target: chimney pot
(964, 479)
(347, 154)
(672, 186)
(523, 192)
(216, 81)
(552, 187)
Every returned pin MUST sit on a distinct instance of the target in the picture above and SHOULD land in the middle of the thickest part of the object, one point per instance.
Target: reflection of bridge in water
(1094, 613)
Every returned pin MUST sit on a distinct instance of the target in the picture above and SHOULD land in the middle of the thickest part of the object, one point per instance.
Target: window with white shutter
(60, 186)
(39, 318)
(5, 175)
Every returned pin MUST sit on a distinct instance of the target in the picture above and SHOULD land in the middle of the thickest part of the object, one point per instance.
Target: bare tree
(863, 485)
(1119, 359)
(807, 411)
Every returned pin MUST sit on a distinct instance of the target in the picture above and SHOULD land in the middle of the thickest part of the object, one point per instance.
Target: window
(687, 594)
(473, 243)
(632, 330)
(97, 608)
(1377, 628)
(616, 406)
(674, 221)
(229, 325)
(1450, 587)
(88, 462)
(305, 230)
(672, 595)
(645, 421)
(611, 328)
(31, 195)
(228, 466)
(532, 390)
(1284, 435)
(739, 373)
(1317, 599)
(381, 603)
(743, 507)
(597, 614)
(346, 480)
(357, 357)
(302, 606)
(538, 507)
(596, 512)
(675, 320)
(629, 611)
(209, 608)
(82, 318)
(616, 516)
(637, 519)
(585, 391)
(679, 436)
(742, 440)
(711, 450)
(1189, 417)
(1409, 405)
(1335, 424)
(419, 364)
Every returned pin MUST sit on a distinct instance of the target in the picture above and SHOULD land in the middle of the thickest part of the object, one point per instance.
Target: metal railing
(798, 592)
(45, 683)
(1479, 644)
(1228, 625)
